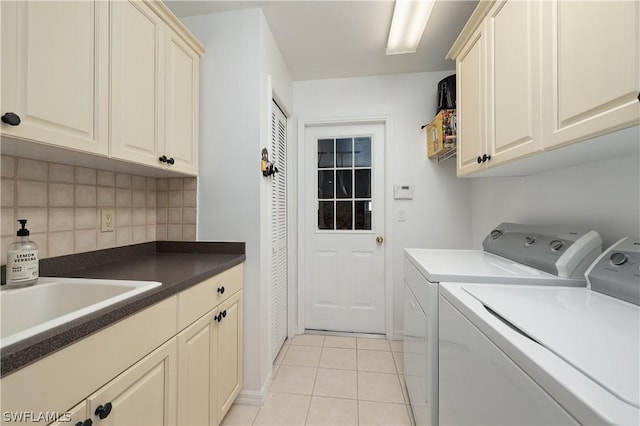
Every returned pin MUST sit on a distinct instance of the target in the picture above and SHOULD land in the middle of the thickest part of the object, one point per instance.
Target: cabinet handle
(11, 119)
(171, 160)
(221, 290)
(163, 159)
(103, 410)
(224, 313)
(217, 318)
(480, 160)
(485, 158)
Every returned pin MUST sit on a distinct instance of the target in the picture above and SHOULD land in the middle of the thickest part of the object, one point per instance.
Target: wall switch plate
(402, 215)
(108, 222)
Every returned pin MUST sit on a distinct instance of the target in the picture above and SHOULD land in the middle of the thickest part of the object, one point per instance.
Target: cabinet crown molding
(474, 21)
(176, 25)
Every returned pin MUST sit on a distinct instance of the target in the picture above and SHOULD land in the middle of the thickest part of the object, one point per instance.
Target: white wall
(240, 68)
(601, 195)
(439, 216)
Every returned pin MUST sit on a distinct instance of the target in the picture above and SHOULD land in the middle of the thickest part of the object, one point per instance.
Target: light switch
(402, 215)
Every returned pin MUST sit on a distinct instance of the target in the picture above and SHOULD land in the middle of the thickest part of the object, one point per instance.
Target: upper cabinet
(513, 76)
(181, 124)
(55, 58)
(137, 81)
(533, 77)
(154, 106)
(115, 78)
(592, 66)
(471, 107)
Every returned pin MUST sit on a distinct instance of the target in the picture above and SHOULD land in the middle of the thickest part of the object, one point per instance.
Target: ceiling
(336, 39)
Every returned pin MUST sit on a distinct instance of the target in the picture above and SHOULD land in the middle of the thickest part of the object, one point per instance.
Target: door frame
(303, 220)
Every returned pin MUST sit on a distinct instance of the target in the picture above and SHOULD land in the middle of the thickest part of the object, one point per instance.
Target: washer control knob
(496, 233)
(556, 245)
(529, 240)
(618, 258)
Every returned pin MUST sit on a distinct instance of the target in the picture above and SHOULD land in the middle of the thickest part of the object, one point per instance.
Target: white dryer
(512, 253)
(544, 355)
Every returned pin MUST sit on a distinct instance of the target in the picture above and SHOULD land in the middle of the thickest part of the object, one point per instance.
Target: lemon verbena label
(22, 266)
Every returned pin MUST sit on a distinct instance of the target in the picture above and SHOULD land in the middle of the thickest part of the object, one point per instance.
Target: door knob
(379, 240)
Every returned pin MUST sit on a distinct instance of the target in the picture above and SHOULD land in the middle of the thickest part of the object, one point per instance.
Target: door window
(344, 183)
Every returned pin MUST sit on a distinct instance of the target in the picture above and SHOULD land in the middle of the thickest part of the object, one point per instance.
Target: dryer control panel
(566, 253)
(616, 273)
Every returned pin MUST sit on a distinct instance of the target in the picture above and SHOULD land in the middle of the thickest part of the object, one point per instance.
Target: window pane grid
(344, 183)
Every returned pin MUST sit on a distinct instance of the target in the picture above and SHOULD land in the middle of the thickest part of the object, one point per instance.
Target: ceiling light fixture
(407, 25)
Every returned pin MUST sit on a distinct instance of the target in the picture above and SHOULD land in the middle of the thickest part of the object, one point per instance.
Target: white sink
(27, 311)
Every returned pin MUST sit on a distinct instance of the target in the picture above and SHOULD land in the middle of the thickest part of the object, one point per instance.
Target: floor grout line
(357, 370)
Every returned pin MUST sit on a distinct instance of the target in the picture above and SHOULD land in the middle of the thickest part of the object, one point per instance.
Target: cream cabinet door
(137, 82)
(229, 353)
(145, 394)
(55, 72)
(471, 106)
(591, 83)
(182, 109)
(513, 76)
(77, 416)
(197, 369)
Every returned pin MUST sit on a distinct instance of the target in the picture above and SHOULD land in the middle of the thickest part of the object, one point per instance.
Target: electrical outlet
(108, 220)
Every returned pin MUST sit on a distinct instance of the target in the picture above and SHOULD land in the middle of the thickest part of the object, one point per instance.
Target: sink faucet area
(25, 312)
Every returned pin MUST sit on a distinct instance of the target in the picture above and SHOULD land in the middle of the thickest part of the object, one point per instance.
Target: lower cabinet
(229, 351)
(144, 394)
(77, 416)
(178, 362)
(210, 364)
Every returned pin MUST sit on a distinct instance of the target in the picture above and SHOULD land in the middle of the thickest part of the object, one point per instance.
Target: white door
(279, 290)
(344, 216)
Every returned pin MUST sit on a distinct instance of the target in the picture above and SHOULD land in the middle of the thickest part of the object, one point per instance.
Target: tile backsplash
(63, 203)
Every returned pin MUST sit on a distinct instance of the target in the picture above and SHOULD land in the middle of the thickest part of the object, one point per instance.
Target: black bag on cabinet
(447, 93)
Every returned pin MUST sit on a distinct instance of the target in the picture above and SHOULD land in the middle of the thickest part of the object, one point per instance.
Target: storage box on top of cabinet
(441, 133)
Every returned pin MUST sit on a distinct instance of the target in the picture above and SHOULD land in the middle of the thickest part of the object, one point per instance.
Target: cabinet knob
(11, 119)
(163, 159)
(217, 318)
(485, 157)
(171, 160)
(221, 290)
(480, 160)
(103, 411)
(224, 313)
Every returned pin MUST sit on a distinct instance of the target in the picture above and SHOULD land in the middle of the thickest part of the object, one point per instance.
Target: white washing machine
(544, 355)
(523, 254)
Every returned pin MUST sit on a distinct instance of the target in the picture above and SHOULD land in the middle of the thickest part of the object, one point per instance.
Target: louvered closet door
(278, 154)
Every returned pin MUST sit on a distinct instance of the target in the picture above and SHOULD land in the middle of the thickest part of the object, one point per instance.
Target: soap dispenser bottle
(23, 266)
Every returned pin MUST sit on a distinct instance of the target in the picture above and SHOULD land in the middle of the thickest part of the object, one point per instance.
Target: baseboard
(252, 397)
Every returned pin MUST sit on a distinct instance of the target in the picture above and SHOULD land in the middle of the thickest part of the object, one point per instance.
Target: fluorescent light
(409, 20)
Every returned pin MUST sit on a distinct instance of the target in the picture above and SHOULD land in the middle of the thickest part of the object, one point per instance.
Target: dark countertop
(177, 265)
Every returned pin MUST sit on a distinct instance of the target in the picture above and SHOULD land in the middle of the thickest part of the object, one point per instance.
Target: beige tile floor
(330, 380)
